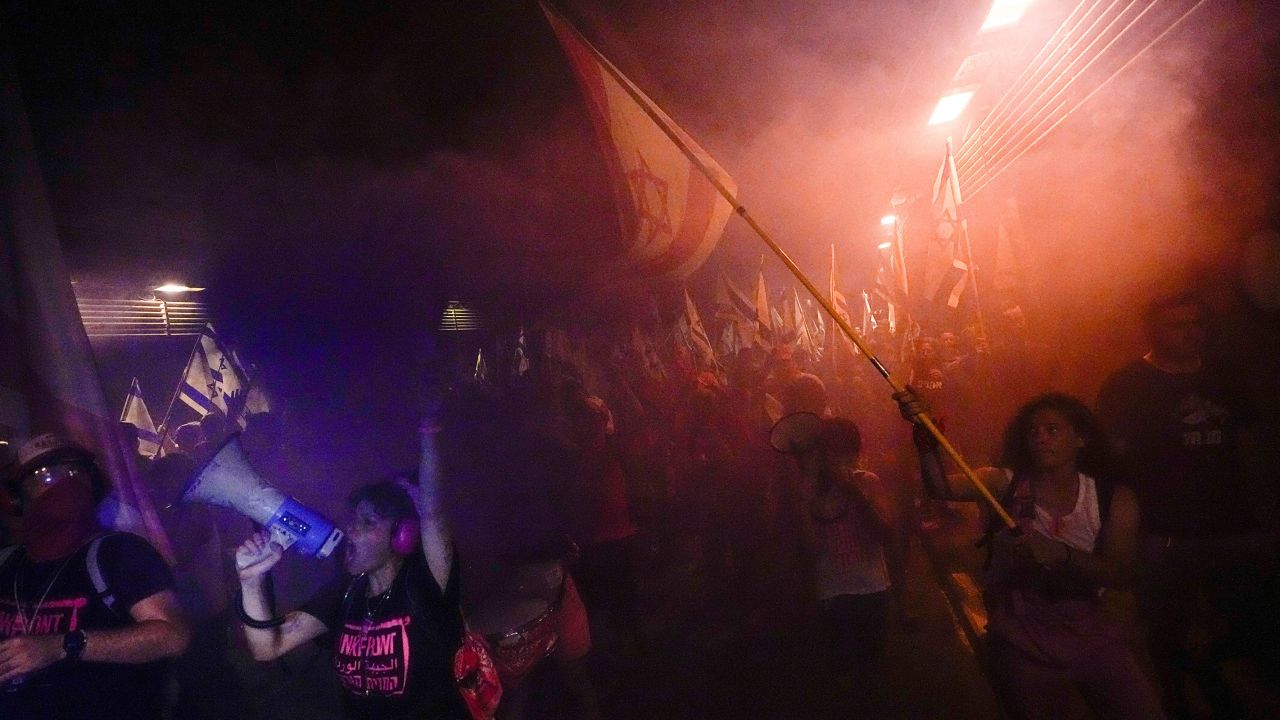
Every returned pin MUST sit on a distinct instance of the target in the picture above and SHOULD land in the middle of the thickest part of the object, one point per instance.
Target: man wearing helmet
(86, 616)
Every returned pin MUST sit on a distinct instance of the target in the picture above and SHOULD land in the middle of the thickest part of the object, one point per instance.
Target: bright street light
(176, 288)
(1004, 13)
(950, 107)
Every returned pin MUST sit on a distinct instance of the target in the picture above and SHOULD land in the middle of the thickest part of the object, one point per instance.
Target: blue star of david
(650, 193)
(216, 385)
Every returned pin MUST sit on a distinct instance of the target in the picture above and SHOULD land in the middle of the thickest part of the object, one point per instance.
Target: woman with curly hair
(1077, 534)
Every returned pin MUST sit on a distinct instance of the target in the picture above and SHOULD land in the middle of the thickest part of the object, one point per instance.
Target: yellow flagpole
(923, 419)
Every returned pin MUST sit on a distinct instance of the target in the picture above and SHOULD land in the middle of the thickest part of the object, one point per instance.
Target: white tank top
(1078, 528)
(849, 557)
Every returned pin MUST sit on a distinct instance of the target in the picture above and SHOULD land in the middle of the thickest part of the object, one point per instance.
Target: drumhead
(540, 580)
(501, 616)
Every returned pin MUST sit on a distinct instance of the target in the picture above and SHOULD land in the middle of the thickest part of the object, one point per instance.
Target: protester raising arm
(437, 541)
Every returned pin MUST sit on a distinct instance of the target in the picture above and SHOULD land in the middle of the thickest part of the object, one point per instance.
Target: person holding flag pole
(577, 46)
(1049, 638)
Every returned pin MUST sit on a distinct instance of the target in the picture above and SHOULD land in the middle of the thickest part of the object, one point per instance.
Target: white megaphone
(796, 434)
(227, 480)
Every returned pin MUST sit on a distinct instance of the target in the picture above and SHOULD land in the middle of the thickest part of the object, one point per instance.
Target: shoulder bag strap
(96, 576)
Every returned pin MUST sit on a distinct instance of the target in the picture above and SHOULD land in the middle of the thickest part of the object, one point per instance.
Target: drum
(521, 623)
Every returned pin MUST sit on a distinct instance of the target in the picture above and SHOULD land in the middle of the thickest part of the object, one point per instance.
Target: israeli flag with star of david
(210, 377)
(136, 414)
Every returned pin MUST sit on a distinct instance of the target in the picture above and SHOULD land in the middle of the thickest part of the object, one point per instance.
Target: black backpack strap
(96, 576)
(1103, 490)
(993, 524)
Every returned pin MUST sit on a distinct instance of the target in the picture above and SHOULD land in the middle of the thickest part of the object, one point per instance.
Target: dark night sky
(333, 171)
(427, 144)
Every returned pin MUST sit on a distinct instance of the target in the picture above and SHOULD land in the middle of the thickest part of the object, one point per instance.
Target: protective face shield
(57, 508)
(55, 458)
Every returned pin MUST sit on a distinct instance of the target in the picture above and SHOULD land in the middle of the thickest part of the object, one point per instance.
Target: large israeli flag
(210, 376)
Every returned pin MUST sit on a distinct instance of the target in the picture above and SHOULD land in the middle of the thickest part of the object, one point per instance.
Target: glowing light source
(950, 107)
(884, 245)
(168, 317)
(457, 317)
(1004, 13)
(888, 220)
(176, 288)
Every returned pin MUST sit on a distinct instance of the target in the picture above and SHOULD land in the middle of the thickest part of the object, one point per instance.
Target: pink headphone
(406, 536)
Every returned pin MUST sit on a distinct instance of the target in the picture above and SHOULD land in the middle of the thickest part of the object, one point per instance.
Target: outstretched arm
(937, 483)
(437, 539)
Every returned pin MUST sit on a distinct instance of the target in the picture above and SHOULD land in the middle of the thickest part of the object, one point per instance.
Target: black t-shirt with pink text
(393, 653)
(54, 598)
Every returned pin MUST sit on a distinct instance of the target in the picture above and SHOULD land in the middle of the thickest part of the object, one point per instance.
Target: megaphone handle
(282, 537)
(279, 536)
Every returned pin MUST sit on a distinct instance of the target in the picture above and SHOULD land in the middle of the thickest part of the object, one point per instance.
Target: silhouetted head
(1175, 326)
(840, 440)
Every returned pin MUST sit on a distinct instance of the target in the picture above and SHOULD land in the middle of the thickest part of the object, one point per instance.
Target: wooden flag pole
(833, 344)
(923, 419)
(164, 425)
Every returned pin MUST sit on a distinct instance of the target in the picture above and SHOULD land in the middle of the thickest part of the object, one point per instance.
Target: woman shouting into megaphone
(395, 620)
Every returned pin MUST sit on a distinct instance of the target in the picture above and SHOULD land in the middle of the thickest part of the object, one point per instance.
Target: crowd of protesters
(786, 489)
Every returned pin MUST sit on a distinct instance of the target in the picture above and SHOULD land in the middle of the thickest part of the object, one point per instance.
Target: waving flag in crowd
(841, 305)
(739, 311)
(520, 363)
(817, 328)
(210, 377)
(947, 270)
(699, 341)
(732, 303)
(48, 377)
(648, 355)
(803, 338)
(135, 413)
(764, 319)
(671, 215)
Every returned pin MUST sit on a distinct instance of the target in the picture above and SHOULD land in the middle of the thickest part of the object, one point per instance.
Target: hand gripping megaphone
(227, 480)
